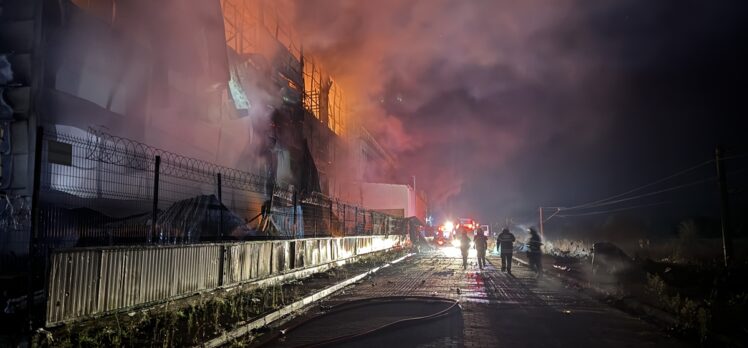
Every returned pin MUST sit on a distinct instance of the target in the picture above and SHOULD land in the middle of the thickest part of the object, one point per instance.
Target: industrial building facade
(205, 93)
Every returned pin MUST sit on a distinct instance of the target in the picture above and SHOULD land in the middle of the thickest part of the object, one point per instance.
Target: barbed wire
(102, 147)
(107, 148)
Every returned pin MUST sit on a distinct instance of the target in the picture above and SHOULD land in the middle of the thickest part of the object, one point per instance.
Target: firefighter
(505, 241)
(464, 246)
(534, 255)
(481, 244)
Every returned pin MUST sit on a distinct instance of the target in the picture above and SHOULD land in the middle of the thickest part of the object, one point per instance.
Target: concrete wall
(392, 197)
(386, 197)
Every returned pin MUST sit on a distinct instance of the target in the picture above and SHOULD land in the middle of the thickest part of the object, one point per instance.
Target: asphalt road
(498, 310)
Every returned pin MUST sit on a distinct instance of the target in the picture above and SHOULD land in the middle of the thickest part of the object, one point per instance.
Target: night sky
(498, 107)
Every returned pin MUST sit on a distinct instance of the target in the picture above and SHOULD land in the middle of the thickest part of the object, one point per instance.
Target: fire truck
(468, 224)
(447, 231)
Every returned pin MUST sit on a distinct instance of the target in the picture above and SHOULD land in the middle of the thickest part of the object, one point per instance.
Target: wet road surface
(498, 310)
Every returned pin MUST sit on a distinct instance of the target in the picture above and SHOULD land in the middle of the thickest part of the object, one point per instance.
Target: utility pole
(725, 206)
(544, 219)
(540, 226)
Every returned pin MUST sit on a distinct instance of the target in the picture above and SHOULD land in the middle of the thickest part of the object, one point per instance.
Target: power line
(613, 210)
(736, 171)
(552, 215)
(628, 199)
(740, 155)
(612, 199)
(651, 193)
(597, 202)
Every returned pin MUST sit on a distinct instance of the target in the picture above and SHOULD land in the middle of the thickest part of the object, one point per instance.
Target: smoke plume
(457, 90)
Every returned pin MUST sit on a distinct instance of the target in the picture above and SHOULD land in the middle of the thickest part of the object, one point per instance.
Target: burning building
(219, 88)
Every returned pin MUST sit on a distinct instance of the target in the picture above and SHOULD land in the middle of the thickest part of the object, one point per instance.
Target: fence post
(329, 228)
(355, 220)
(220, 206)
(222, 264)
(34, 230)
(270, 207)
(345, 208)
(295, 221)
(156, 172)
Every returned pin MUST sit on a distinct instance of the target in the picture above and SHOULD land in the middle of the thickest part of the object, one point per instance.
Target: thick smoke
(458, 90)
(159, 73)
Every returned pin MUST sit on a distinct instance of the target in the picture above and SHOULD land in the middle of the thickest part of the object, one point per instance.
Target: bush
(693, 316)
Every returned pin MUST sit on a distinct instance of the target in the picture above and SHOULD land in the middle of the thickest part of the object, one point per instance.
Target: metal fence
(15, 220)
(98, 190)
(101, 190)
(324, 216)
(85, 282)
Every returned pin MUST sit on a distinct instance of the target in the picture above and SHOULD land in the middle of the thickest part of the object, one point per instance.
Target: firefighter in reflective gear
(464, 246)
(505, 242)
(534, 254)
(481, 244)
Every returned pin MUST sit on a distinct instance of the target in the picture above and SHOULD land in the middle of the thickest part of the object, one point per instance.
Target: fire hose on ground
(453, 307)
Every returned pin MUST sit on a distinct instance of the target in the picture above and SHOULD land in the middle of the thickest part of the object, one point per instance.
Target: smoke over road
(500, 106)
(458, 90)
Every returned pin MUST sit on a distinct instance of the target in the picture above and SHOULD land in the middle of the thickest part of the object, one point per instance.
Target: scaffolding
(336, 109)
(324, 98)
(312, 88)
(241, 25)
(246, 20)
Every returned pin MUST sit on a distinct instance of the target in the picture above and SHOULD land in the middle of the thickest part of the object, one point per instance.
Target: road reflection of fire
(453, 252)
(476, 290)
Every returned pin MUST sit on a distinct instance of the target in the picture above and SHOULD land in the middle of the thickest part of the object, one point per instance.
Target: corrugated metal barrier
(92, 281)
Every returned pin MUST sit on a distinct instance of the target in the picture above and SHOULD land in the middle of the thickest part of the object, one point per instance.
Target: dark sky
(501, 106)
